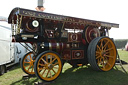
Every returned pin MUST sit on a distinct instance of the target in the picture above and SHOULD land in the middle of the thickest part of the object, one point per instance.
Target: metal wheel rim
(28, 63)
(105, 54)
(49, 66)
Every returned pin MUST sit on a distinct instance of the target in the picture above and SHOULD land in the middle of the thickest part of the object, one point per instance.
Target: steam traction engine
(57, 38)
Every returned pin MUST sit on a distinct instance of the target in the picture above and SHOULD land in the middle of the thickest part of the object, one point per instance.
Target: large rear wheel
(102, 54)
(48, 66)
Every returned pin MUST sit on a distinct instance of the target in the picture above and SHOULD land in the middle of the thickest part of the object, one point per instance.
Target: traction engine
(57, 39)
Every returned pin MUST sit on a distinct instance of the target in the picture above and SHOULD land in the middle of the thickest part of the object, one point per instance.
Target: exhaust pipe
(40, 6)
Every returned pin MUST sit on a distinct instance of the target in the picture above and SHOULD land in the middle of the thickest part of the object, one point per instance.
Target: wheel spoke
(55, 64)
(46, 58)
(48, 72)
(98, 47)
(56, 67)
(50, 58)
(99, 60)
(53, 71)
(103, 61)
(109, 56)
(103, 66)
(106, 59)
(42, 65)
(53, 60)
(30, 57)
(109, 49)
(29, 67)
(43, 71)
(40, 69)
(97, 53)
(44, 61)
(27, 62)
(98, 57)
(104, 47)
(101, 44)
(26, 65)
(32, 69)
(108, 64)
(106, 53)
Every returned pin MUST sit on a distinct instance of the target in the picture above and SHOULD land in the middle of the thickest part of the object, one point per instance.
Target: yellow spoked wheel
(102, 54)
(48, 66)
(27, 63)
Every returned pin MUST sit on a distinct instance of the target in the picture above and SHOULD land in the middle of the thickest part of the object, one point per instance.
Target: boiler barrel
(55, 45)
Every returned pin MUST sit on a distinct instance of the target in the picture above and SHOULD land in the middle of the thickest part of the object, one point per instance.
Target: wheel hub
(103, 53)
(32, 63)
(49, 66)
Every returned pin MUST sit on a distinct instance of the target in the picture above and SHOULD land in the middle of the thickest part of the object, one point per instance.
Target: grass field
(73, 76)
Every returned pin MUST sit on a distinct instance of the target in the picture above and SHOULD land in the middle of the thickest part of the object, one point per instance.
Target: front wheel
(27, 63)
(102, 54)
(48, 66)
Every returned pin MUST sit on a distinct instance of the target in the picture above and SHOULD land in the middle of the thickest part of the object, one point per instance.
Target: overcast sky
(114, 11)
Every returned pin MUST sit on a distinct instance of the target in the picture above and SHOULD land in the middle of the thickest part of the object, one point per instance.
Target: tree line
(120, 43)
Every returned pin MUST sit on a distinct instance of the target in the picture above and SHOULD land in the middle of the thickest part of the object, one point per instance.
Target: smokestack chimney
(40, 3)
(40, 6)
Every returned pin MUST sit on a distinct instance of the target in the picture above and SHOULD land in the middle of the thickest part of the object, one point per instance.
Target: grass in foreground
(73, 76)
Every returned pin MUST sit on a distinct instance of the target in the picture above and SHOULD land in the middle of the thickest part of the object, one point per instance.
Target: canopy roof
(43, 15)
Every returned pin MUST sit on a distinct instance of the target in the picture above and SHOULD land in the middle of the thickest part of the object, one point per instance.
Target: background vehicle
(126, 46)
(10, 52)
